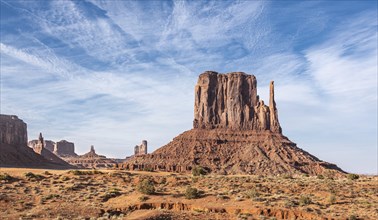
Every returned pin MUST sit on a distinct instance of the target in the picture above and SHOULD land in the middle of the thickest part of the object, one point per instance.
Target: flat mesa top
(225, 74)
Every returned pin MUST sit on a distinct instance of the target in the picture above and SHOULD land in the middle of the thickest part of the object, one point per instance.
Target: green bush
(146, 187)
(198, 171)
(192, 193)
(353, 176)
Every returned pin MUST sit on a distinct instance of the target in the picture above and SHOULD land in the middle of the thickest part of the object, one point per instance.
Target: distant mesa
(15, 151)
(234, 132)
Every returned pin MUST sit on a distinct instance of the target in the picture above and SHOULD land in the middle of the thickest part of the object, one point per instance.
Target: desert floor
(115, 194)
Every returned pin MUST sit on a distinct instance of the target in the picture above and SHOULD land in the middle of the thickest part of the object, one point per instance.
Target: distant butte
(16, 153)
(234, 132)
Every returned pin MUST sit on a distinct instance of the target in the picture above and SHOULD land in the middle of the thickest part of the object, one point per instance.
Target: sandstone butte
(15, 151)
(234, 132)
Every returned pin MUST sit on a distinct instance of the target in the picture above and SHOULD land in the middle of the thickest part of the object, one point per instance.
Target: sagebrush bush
(305, 200)
(146, 187)
(353, 176)
(192, 193)
(198, 171)
(5, 177)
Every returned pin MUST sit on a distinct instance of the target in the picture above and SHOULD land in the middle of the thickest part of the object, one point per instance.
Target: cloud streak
(111, 73)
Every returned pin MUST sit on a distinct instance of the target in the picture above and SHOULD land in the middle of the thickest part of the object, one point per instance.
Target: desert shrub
(32, 176)
(287, 176)
(6, 177)
(353, 176)
(148, 169)
(290, 203)
(198, 171)
(192, 193)
(332, 199)
(47, 173)
(146, 187)
(352, 217)
(143, 198)
(50, 196)
(251, 194)
(321, 177)
(85, 172)
(305, 200)
(111, 194)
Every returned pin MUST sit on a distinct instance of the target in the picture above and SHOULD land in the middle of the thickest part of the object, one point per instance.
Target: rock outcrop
(13, 131)
(65, 148)
(230, 101)
(233, 133)
(14, 151)
(91, 160)
(141, 149)
(41, 149)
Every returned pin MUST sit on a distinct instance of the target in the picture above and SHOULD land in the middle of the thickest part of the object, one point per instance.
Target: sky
(113, 73)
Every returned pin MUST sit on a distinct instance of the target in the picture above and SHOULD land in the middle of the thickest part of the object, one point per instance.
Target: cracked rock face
(230, 101)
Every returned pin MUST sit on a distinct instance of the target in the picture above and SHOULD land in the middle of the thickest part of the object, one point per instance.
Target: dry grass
(60, 194)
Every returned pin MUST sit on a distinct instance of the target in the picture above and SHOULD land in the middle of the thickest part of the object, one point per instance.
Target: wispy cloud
(111, 73)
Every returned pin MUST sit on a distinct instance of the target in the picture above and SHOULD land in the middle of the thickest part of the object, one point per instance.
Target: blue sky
(111, 73)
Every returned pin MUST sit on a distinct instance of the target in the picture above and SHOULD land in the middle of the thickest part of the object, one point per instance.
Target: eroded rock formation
(64, 148)
(141, 149)
(13, 131)
(40, 148)
(91, 160)
(230, 101)
(14, 151)
(233, 133)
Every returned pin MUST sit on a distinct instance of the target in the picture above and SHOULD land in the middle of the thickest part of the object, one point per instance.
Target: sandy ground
(115, 194)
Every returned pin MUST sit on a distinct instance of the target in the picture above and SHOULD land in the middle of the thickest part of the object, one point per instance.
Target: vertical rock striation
(230, 101)
(13, 131)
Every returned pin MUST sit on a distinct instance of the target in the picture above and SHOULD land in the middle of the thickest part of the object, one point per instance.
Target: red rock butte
(234, 132)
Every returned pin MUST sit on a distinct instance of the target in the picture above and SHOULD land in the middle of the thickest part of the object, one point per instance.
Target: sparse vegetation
(50, 196)
(305, 200)
(321, 177)
(192, 193)
(146, 187)
(85, 172)
(114, 192)
(148, 169)
(332, 199)
(198, 171)
(6, 177)
(252, 194)
(307, 196)
(32, 176)
(143, 198)
(353, 176)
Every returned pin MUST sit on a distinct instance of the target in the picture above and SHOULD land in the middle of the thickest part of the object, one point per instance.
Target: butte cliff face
(14, 151)
(233, 133)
